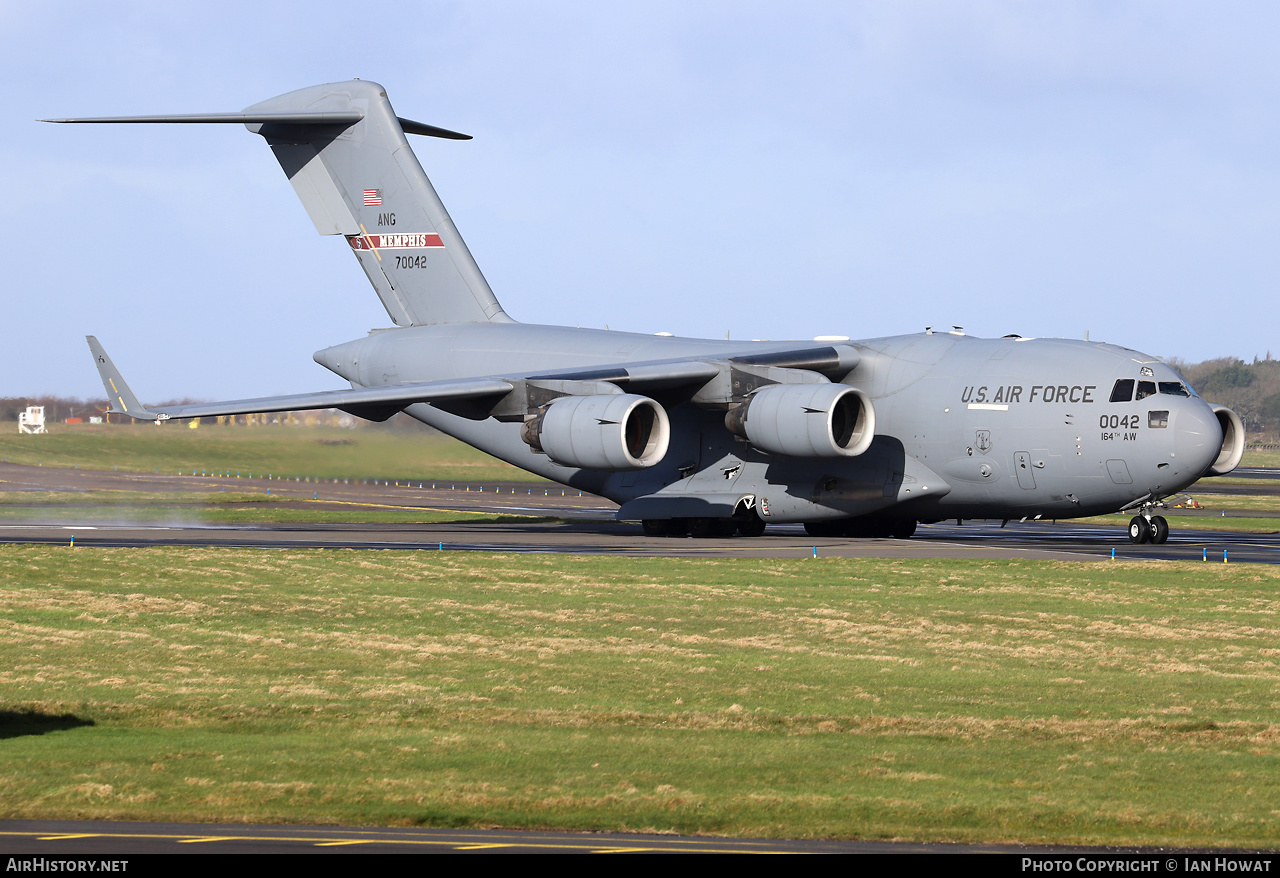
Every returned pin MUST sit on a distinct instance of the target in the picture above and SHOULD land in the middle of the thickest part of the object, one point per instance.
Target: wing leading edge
(373, 403)
(380, 403)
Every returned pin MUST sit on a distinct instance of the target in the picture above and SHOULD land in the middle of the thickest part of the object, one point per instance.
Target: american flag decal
(372, 197)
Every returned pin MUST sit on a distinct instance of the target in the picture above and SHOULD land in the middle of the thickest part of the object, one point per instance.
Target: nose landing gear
(1148, 528)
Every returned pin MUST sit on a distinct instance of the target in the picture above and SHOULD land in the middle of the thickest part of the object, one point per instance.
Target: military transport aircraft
(856, 438)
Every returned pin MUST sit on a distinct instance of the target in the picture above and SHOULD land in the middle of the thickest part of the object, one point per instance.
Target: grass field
(283, 451)
(1102, 703)
(1261, 458)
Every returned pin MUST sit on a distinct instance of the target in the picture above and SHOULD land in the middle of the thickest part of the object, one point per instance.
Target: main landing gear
(746, 522)
(1148, 528)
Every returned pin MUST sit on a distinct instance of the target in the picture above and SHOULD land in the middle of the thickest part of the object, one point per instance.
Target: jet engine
(806, 420)
(620, 431)
(1232, 441)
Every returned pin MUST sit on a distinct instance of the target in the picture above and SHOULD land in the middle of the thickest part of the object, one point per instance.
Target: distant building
(32, 420)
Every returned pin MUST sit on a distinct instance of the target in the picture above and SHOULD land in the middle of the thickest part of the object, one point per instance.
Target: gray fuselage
(965, 427)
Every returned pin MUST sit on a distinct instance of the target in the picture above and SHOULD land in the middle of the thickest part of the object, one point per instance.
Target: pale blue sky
(770, 170)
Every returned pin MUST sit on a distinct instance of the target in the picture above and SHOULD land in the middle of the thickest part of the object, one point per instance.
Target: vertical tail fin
(364, 182)
(344, 150)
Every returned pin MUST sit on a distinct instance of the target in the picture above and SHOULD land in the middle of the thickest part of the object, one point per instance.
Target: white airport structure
(32, 420)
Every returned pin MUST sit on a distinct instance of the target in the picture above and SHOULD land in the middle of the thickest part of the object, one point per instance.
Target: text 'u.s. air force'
(1012, 393)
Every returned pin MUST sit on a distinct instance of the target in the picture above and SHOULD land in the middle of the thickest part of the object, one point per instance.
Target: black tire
(859, 528)
(723, 527)
(701, 527)
(1159, 530)
(903, 528)
(1139, 530)
(655, 527)
(750, 525)
(823, 528)
(881, 528)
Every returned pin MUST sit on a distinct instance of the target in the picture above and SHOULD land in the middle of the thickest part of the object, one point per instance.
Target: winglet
(121, 397)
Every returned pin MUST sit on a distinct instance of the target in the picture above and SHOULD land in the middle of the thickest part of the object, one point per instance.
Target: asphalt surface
(1255, 472)
(580, 524)
(81, 839)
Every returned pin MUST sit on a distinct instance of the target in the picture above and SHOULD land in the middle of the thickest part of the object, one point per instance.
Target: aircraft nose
(1197, 437)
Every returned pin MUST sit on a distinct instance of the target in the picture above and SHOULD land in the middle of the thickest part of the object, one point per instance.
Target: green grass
(288, 451)
(1178, 521)
(1208, 484)
(1102, 703)
(1211, 503)
(1261, 458)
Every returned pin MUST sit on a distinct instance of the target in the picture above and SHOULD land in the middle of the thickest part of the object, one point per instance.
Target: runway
(571, 523)
(74, 839)
(70, 839)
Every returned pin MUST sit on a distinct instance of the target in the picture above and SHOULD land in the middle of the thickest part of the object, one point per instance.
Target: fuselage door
(1022, 466)
(1119, 472)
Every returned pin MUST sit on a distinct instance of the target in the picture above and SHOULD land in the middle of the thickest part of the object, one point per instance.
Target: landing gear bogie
(655, 527)
(903, 528)
(825, 528)
(665, 527)
(712, 527)
(750, 526)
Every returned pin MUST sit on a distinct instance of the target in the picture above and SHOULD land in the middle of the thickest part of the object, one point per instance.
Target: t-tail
(344, 150)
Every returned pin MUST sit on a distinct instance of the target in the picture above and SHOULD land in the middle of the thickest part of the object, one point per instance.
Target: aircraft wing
(374, 403)
(380, 403)
(826, 360)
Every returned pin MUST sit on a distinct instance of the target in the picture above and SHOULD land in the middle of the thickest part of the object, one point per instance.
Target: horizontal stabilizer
(300, 118)
(378, 402)
(347, 156)
(411, 127)
(344, 119)
(347, 118)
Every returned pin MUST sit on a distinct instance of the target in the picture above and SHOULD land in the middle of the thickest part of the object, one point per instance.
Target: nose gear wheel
(1148, 528)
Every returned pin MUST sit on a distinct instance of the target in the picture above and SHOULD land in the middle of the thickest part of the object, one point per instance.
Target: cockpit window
(1123, 391)
(1157, 420)
(1146, 388)
(1174, 388)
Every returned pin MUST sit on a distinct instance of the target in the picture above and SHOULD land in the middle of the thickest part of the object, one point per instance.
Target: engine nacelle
(806, 420)
(1232, 441)
(618, 431)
